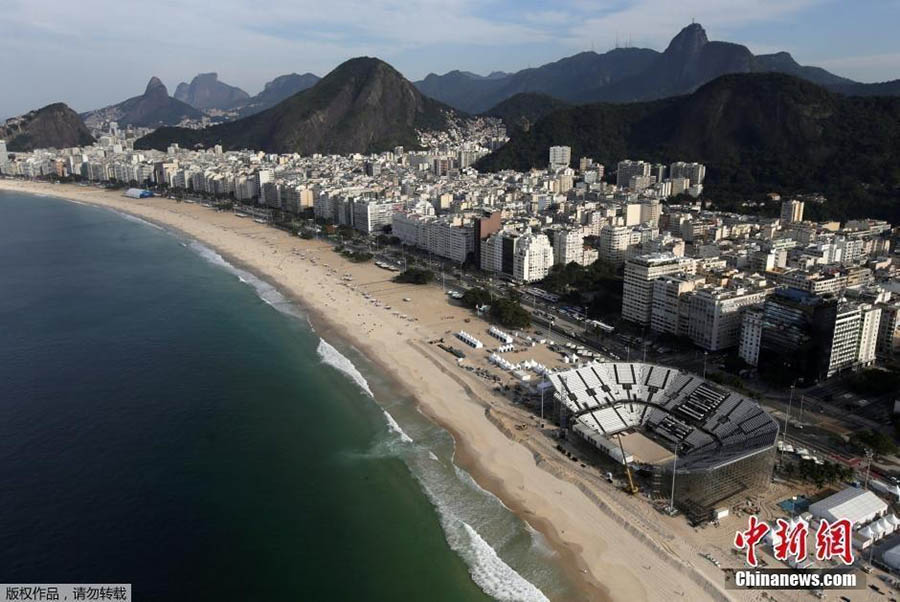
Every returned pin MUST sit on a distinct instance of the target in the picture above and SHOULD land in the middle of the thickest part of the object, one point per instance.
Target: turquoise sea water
(171, 421)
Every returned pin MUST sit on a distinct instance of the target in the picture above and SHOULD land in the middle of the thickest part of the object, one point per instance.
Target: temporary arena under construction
(719, 443)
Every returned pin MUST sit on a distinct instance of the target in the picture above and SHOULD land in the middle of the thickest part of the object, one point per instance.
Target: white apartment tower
(751, 336)
(668, 314)
(560, 157)
(640, 272)
(371, 215)
(533, 258)
(791, 211)
(716, 315)
(868, 334)
(568, 246)
(695, 172)
(845, 339)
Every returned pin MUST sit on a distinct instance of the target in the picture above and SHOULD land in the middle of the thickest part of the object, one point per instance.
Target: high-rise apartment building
(568, 246)
(533, 258)
(613, 243)
(791, 211)
(628, 169)
(695, 172)
(369, 215)
(446, 237)
(484, 226)
(560, 157)
(668, 313)
(716, 315)
(640, 272)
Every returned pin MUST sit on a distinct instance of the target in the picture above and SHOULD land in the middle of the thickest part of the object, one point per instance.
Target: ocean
(171, 421)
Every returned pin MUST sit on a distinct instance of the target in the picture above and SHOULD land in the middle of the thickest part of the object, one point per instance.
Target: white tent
(889, 490)
(857, 505)
(864, 538)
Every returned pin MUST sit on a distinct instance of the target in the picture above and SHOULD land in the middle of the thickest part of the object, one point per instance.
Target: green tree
(475, 297)
(509, 313)
(878, 442)
(415, 276)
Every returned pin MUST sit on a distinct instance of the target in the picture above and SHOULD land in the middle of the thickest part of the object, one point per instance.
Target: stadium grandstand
(725, 443)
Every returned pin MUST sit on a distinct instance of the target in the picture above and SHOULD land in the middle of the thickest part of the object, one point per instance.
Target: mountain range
(151, 109)
(632, 74)
(54, 126)
(363, 105)
(206, 92)
(756, 132)
(280, 88)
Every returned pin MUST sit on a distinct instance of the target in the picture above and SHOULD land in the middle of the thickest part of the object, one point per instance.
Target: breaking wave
(496, 578)
(136, 219)
(393, 426)
(335, 359)
(265, 291)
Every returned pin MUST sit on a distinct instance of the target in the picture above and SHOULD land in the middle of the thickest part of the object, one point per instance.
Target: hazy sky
(90, 53)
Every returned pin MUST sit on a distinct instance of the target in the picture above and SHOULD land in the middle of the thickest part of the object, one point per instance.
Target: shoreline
(602, 559)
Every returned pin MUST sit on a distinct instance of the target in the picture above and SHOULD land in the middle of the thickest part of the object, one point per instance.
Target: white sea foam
(393, 426)
(335, 359)
(134, 218)
(466, 478)
(496, 578)
(266, 292)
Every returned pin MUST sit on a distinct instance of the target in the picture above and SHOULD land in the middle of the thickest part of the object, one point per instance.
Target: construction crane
(631, 488)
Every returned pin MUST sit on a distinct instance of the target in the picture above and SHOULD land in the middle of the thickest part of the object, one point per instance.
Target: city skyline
(248, 49)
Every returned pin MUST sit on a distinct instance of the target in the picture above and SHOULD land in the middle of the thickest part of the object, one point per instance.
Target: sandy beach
(615, 547)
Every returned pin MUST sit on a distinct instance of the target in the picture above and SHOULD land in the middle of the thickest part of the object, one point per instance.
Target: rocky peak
(689, 41)
(154, 85)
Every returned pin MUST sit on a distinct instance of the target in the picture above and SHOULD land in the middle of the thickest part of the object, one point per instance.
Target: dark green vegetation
(152, 108)
(756, 133)
(875, 382)
(509, 314)
(631, 74)
(364, 105)
(415, 276)
(889, 88)
(476, 297)
(506, 311)
(357, 256)
(597, 286)
(820, 474)
(206, 92)
(54, 126)
(521, 111)
(878, 442)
